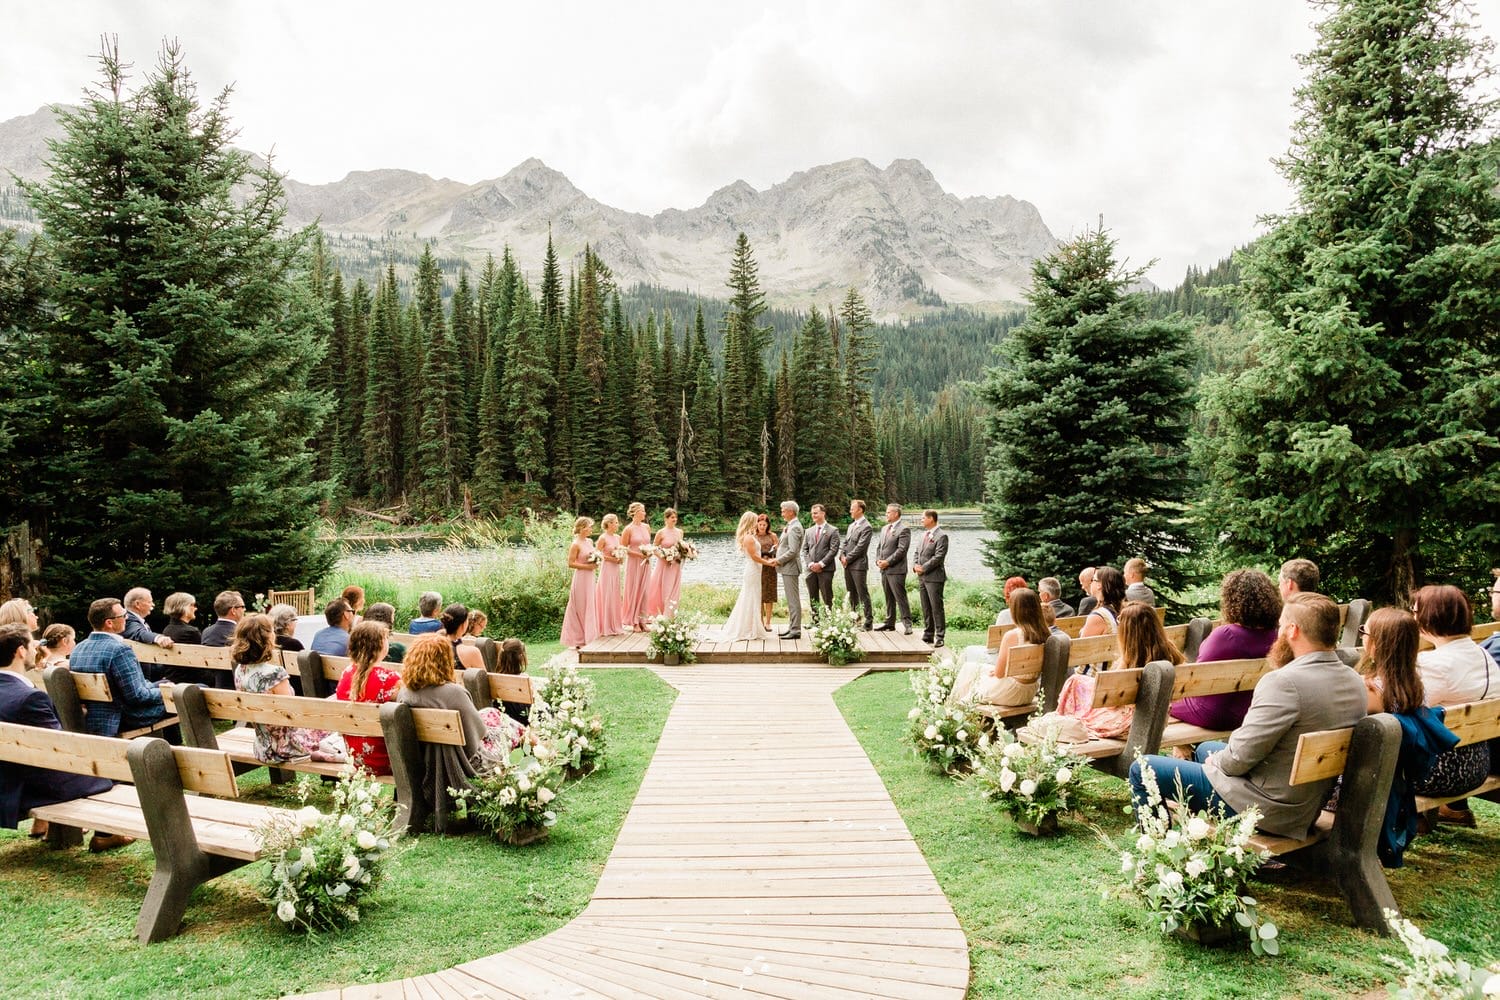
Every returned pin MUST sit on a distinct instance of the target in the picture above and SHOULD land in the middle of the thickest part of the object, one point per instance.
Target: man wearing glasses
(137, 703)
(229, 608)
(1492, 644)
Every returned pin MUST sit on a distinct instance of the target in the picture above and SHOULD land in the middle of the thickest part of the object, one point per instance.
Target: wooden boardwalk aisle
(762, 858)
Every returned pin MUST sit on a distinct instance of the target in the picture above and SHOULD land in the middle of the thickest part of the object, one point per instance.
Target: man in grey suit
(927, 563)
(789, 565)
(1313, 692)
(890, 559)
(818, 551)
(856, 560)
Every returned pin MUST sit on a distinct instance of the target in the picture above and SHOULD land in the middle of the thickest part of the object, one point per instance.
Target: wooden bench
(1474, 722)
(1047, 664)
(485, 688)
(1186, 637)
(1479, 633)
(403, 727)
(71, 692)
(195, 838)
(1351, 617)
(488, 648)
(1342, 843)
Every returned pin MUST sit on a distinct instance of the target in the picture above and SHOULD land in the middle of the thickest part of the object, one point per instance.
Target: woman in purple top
(1251, 606)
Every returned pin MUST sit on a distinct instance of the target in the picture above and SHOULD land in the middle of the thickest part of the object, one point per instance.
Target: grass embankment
(70, 916)
(1038, 924)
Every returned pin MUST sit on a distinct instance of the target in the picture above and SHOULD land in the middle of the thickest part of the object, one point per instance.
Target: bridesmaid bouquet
(687, 550)
(618, 553)
(596, 557)
(650, 550)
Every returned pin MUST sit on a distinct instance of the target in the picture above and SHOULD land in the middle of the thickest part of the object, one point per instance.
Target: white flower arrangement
(1191, 868)
(1028, 780)
(1434, 974)
(567, 732)
(673, 633)
(952, 736)
(649, 550)
(321, 866)
(515, 800)
(835, 636)
(563, 685)
(595, 557)
(687, 551)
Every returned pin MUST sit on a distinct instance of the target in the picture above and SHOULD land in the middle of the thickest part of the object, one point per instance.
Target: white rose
(1064, 776)
(935, 697)
(1198, 828)
(285, 911)
(308, 816)
(1196, 867)
(583, 742)
(1007, 779)
(961, 735)
(1127, 863)
(1171, 879)
(1172, 839)
(523, 784)
(1028, 788)
(1012, 750)
(1144, 843)
(365, 839)
(1492, 986)
(346, 822)
(914, 713)
(351, 866)
(545, 795)
(930, 732)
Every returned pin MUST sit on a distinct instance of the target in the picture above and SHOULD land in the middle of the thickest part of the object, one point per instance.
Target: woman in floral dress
(253, 650)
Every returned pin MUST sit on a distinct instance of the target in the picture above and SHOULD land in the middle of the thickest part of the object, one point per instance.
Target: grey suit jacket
(931, 556)
(1312, 693)
(1140, 592)
(857, 545)
(893, 547)
(821, 546)
(789, 550)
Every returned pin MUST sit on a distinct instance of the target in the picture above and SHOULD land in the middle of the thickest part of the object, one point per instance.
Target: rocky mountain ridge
(894, 233)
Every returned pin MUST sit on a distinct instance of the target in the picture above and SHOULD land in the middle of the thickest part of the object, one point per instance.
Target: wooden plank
(75, 753)
(1474, 722)
(93, 687)
(1217, 677)
(1024, 662)
(513, 687)
(1094, 649)
(200, 657)
(1113, 688)
(1320, 755)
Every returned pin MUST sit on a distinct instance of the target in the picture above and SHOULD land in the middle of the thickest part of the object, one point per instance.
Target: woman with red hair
(1012, 584)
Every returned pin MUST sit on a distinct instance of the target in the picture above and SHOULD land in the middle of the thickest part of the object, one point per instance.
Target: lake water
(717, 562)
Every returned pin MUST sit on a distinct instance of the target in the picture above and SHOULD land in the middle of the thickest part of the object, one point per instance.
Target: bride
(744, 621)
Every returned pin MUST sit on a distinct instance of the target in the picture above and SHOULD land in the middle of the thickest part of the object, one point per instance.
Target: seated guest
(478, 622)
(1135, 582)
(138, 604)
(1453, 672)
(365, 680)
(428, 605)
(1389, 666)
(284, 622)
(1108, 591)
(1315, 691)
(1087, 601)
(18, 611)
(1012, 584)
(1251, 606)
(465, 657)
(985, 681)
(1492, 644)
(354, 596)
(427, 682)
(386, 614)
(22, 787)
(512, 660)
(254, 645)
(55, 648)
(136, 704)
(229, 608)
(1298, 576)
(333, 639)
(1142, 641)
(1049, 589)
(180, 610)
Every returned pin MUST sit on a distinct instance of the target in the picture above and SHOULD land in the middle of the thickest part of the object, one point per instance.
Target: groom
(789, 565)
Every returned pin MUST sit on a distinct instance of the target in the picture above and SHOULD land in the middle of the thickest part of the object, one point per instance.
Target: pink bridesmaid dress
(637, 577)
(666, 582)
(580, 622)
(607, 597)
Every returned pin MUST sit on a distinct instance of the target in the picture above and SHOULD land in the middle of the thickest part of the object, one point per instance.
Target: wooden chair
(194, 838)
(305, 601)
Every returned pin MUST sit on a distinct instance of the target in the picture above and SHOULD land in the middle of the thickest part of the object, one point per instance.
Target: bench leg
(59, 836)
(279, 775)
(167, 896)
(1363, 883)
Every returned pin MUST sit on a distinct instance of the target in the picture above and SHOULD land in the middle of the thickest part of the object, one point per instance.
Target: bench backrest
(1474, 722)
(488, 648)
(1478, 634)
(1070, 627)
(207, 771)
(1114, 688)
(486, 687)
(354, 718)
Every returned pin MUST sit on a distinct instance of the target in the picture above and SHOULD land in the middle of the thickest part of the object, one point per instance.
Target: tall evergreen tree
(468, 342)
(29, 436)
(588, 392)
(178, 354)
(653, 471)
(440, 393)
(745, 384)
(705, 490)
(815, 400)
(1365, 433)
(529, 379)
(786, 432)
(384, 423)
(1088, 424)
(356, 376)
(861, 461)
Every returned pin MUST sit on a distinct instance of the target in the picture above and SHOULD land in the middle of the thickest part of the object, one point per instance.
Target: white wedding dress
(744, 622)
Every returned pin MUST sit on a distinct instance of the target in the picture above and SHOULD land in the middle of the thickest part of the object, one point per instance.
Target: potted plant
(672, 637)
(1031, 781)
(835, 636)
(1191, 867)
(951, 735)
(514, 801)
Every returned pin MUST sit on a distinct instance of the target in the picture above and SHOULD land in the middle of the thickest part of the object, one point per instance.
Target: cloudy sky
(1163, 116)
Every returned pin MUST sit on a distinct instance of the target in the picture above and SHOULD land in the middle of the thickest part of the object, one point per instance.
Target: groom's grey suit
(789, 565)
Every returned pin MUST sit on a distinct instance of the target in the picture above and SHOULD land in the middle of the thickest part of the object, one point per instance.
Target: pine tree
(587, 392)
(384, 424)
(705, 482)
(440, 393)
(29, 436)
(653, 472)
(745, 384)
(184, 331)
(786, 432)
(1364, 432)
(529, 380)
(668, 384)
(862, 456)
(1089, 410)
(356, 376)
(468, 342)
(815, 398)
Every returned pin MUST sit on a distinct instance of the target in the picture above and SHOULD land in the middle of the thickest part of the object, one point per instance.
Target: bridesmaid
(607, 599)
(666, 582)
(580, 622)
(637, 536)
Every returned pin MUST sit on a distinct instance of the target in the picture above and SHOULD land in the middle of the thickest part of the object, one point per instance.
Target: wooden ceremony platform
(762, 858)
(881, 649)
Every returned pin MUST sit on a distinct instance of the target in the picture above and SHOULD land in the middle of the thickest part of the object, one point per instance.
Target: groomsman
(819, 547)
(856, 561)
(890, 558)
(932, 550)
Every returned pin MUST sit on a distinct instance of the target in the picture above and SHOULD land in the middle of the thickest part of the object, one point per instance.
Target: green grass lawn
(1039, 922)
(69, 916)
